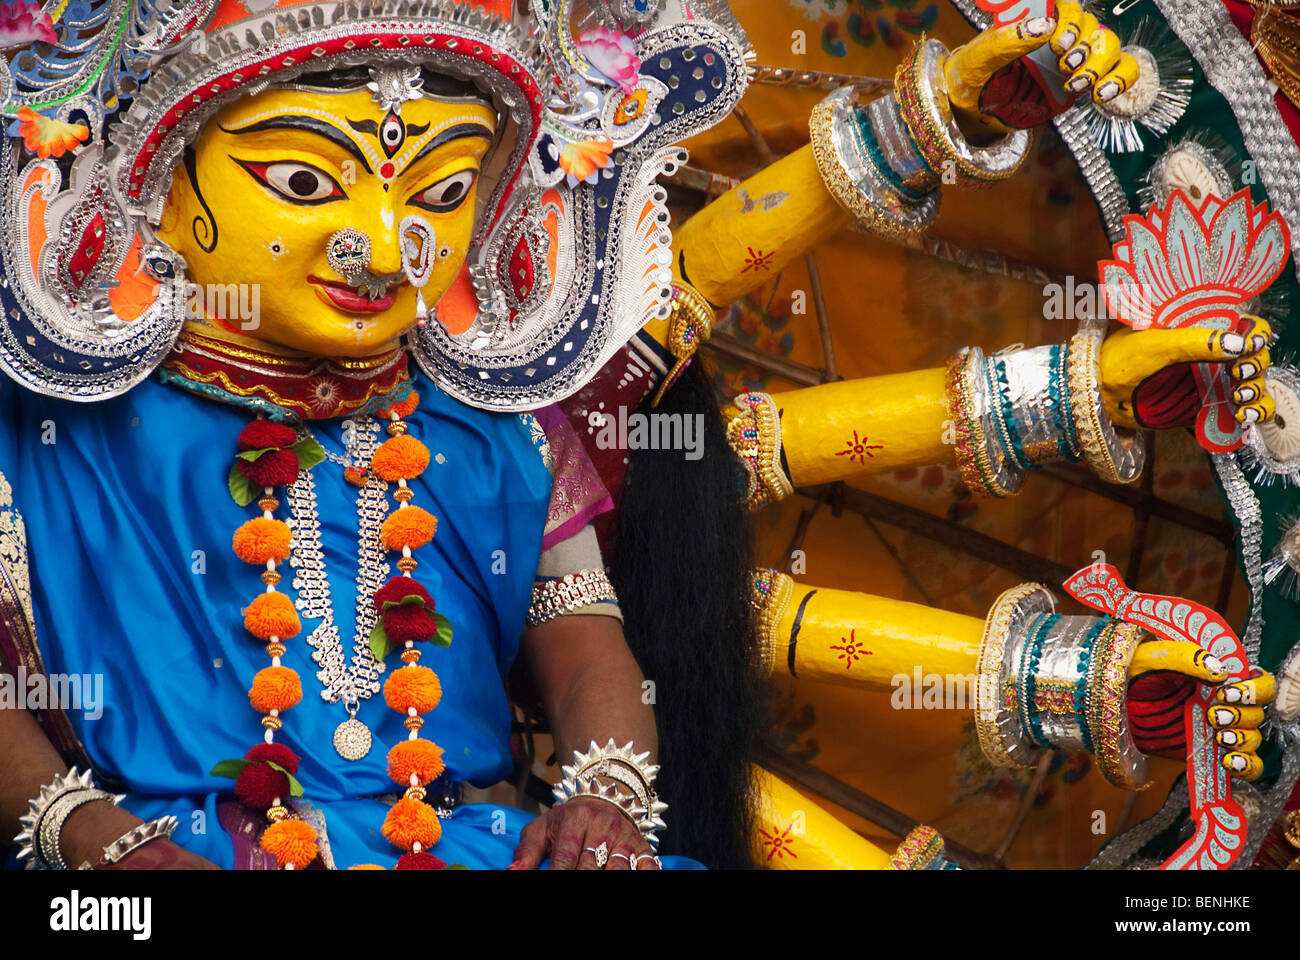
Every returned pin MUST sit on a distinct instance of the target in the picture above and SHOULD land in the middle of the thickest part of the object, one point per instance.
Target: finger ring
(601, 853)
(630, 860)
(637, 858)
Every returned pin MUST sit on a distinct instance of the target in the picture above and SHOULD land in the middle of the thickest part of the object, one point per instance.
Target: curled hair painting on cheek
(209, 226)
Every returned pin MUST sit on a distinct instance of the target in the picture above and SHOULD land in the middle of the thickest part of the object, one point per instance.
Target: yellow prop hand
(1089, 55)
(1240, 704)
(1147, 379)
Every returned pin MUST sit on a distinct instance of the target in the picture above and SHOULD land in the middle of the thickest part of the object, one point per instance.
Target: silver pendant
(352, 739)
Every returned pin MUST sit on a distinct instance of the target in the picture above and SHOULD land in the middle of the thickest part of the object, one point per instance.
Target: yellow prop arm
(748, 235)
(853, 427)
(796, 834)
(846, 637)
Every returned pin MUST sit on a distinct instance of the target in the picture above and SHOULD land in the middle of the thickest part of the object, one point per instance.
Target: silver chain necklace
(343, 682)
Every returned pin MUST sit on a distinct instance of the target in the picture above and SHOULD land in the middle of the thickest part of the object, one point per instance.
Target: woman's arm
(591, 689)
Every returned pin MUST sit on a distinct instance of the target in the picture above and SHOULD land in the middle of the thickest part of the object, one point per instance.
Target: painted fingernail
(1250, 415)
(1232, 343)
(1038, 26)
(1247, 371)
(1228, 738)
(1236, 761)
(1066, 40)
(1232, 695)
(1108, 91)
(1075, 57)
(1222, 717)
(1077, 84)
(1258, 341)
(1214, 664)
(1245, 394)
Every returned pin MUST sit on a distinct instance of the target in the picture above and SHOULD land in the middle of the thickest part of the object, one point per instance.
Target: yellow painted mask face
(280, 173)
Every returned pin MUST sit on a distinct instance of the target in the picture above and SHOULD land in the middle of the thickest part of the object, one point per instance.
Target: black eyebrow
(451, 133)
(310, 125)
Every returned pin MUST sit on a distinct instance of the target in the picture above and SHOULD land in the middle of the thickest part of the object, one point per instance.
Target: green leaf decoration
(229, 768)
(308, 452)
(443, 637)
(241, 488)
(295, 788)
(380, 645)
(407, 600)
(253, 455)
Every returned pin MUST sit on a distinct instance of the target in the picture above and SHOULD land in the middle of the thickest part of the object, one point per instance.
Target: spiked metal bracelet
(623, 764)
(39, 841)
(134, 839)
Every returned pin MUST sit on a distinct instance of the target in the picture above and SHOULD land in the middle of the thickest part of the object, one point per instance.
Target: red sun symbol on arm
(858, 449)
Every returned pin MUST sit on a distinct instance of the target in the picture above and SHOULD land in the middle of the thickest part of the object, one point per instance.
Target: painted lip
(348, 300)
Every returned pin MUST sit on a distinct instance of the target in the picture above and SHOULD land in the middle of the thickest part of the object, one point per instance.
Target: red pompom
(276, 468)
(397, 588)
(260, 785)
(261, 434)
(411, 622)
(274, 753)
(419, 861)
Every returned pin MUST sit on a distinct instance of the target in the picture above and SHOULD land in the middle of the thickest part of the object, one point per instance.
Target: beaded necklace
(273, 455)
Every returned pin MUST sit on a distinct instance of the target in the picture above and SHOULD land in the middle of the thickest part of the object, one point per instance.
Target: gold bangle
(690, 323)
(919, 849)
(1009, 608)
(754, 433)
(1093, 426)
(1118, 757)
(1084, 398)
(770, 593)
(974, 461)
(919, 87)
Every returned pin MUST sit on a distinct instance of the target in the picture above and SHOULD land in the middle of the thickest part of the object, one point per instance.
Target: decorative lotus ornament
(1183, 267)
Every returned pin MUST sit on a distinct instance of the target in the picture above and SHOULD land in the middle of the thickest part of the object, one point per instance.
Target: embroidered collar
(286, 388)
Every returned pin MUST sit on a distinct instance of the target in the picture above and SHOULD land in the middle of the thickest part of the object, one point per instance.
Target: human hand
(569, 832)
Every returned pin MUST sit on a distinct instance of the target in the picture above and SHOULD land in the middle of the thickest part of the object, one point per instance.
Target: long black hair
(682, 564)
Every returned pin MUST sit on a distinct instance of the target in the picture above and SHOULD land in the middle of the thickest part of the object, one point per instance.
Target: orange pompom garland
(276, 688)
(409, 527)
(412, 686)
(272, 615)
(410, 822)
(403, 408)
(400, 458)
(259, 540)
(420, 757)
(290, 842)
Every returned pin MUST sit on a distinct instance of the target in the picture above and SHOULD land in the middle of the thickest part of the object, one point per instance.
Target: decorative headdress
(569, 259)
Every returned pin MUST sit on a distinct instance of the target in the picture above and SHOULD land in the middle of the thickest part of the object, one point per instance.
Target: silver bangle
(851, 176)
(42, 824)
(580, 781)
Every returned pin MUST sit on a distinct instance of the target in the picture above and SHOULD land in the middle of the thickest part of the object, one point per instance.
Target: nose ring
(348, 252)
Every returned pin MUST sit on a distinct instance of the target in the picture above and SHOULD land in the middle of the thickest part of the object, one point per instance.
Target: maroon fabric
(1167, 399)
(1155, 713)
(1016, 97)
(625, 381)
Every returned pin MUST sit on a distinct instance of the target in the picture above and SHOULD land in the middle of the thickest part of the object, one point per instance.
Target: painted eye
(296, 182)
(447, 194)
